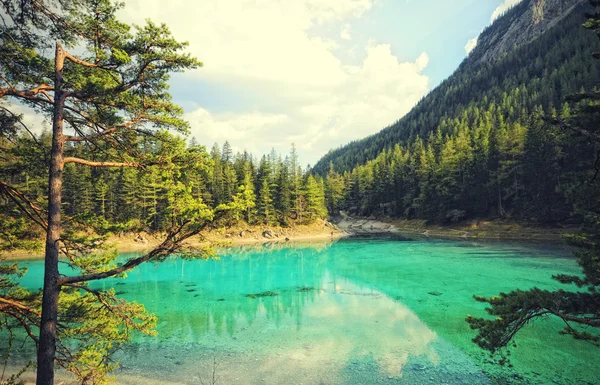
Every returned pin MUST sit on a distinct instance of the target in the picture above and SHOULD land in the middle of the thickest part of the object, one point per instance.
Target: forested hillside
(271, 191)
(480, 144)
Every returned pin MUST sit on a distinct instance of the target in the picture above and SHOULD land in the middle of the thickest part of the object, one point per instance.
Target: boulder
(140, 239)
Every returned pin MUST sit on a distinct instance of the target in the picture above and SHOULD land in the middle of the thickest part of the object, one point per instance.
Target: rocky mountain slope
(504, 48)
(523, 24)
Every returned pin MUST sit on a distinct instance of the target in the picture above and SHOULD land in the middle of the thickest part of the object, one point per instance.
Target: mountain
(523, 24)
(477, 145)
(480, 76)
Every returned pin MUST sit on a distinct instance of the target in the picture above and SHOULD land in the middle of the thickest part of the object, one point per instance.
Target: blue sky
(440, 28)
(318, 73)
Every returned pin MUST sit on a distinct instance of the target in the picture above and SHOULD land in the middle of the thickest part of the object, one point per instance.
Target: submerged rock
(263, 294)
(306, 288)
(436, 293)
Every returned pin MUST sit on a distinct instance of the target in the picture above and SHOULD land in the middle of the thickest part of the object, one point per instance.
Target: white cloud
(471, 44)
(505, 6)
(346, 32)
(373, 95)
(301, 90)
(241, 130)
(265, 39)
(34, 121)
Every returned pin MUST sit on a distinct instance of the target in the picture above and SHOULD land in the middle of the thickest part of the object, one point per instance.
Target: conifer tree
(265, 210)
(315, 198)
(112, 96)
(284, 191)
(334, 190)
(579, 310)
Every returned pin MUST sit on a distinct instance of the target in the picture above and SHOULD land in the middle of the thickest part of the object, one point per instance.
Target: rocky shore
(474, 229)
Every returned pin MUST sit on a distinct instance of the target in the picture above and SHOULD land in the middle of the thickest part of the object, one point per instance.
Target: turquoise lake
(355, 311)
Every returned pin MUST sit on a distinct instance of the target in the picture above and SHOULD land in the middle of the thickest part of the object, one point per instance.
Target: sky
(316, 73)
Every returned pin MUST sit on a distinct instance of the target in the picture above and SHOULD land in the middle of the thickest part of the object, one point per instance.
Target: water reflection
(338, 325)
(277, 318)
(353, 312)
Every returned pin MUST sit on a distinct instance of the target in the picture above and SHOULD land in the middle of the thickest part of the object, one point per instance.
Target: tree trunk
(47, 341)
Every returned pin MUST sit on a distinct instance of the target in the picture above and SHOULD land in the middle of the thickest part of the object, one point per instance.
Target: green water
(357, 311)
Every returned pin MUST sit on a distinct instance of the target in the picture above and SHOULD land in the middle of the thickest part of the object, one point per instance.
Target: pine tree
(296, 182)
(108, 96)
(100, 193)
(578, 309)
(265, 211)
(283, 194)
(128, 195)
(315, 198)
(218, 178)
(334, 190)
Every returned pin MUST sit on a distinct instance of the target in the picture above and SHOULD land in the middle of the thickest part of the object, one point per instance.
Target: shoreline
(476, 229)
(321, 231)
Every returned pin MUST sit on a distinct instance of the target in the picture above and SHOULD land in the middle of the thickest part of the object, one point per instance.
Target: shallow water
(357, 311)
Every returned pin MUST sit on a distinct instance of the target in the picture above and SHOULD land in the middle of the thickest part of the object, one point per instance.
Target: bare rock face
(525, 23)
(268, 234)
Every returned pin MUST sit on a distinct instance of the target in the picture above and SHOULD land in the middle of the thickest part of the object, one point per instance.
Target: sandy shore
(321, 231)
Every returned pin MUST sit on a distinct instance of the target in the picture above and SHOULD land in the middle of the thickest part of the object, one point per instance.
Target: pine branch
(18, 119)
(169, 246)
(104, 132)
(568, 127)
(29, 94)
(33, 211)
(90, 163)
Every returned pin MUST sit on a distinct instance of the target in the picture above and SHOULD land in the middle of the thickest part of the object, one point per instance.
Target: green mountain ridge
(477, 145)
(455, 93)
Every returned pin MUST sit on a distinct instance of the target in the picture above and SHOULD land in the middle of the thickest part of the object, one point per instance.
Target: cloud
(372, 95)
(266, 39)
(346, 32)
(502, 8)
(301, 90)
(33, 120)
(238, 129)
(471, 44)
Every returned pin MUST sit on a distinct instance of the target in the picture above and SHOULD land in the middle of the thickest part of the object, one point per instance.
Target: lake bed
(355, 311)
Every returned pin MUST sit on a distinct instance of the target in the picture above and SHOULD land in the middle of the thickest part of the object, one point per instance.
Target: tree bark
(47, 341)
